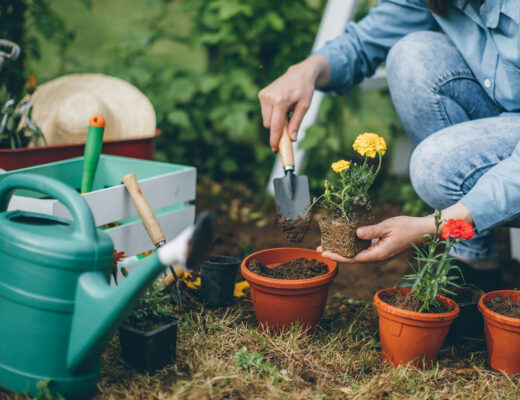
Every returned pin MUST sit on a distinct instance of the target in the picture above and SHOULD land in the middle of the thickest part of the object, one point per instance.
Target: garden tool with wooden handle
(291, 192)
(150, 224)
(93, 148)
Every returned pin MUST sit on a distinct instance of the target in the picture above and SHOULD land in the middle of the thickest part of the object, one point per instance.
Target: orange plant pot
(409, 336)
(279, 303)
(502, 335)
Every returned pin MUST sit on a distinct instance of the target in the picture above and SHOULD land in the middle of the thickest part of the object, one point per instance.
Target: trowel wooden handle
(286, 148)
(169, 278)
(144, 210)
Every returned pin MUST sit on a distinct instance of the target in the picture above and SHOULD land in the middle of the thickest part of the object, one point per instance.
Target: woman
(457, 94)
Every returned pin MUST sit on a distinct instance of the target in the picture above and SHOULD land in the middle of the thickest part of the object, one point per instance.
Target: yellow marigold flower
(370, 144)
(340, 166)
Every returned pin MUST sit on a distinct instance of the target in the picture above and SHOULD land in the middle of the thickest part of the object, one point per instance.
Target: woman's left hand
(389, 238)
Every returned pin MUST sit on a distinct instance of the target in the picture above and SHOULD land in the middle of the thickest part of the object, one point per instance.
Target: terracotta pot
(502, 335)
(409, 336)
(279, 303)
(339, 237)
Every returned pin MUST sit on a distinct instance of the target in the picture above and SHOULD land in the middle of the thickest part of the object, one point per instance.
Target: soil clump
(504, 306)
(338, 236)
(300, 268)
(294, 231)
(410, 303)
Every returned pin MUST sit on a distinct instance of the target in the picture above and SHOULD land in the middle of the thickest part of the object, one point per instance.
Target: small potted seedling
(346, 199)
(413, 322)
(148, 336)
(501, 312)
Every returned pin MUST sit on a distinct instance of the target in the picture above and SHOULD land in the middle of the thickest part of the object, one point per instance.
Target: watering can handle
(83, 223)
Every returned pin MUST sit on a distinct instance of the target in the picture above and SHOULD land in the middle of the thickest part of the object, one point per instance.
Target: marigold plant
(348, 195)
(434, 263)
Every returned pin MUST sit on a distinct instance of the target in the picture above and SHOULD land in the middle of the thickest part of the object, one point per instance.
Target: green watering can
(57, 309)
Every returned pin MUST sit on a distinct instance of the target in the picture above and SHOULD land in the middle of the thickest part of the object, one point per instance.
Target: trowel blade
(292, 196)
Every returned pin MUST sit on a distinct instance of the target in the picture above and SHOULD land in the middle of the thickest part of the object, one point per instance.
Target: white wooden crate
(167, 187)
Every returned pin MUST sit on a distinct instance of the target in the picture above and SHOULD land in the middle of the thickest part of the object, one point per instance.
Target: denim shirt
(488, 37)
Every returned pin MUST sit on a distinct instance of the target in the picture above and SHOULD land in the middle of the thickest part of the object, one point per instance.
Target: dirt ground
(348, 366)
(239, 234)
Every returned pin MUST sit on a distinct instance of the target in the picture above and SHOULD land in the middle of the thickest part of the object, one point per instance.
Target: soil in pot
(504, 306)
(410, 303)
(339, 236)
(301, 268)
(294, 230)
(409, 336)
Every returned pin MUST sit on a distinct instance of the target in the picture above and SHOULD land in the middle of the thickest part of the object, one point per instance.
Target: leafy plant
(44, 393)
(434, 263)
(349, 194)
(202, 63)
(16, 126)
(508, 298)
(153, 308)
(255, 362)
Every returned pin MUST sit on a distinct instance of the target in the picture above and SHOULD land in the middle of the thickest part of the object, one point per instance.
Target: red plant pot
(279, 303)
(502, 334)
(409, 336)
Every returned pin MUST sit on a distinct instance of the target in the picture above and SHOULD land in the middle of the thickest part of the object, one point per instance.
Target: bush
(202, 63)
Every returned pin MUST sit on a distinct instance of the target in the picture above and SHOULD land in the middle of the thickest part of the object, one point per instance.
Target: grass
(222, 354)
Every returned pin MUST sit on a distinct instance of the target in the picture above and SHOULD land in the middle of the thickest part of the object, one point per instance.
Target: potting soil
(504, 307)
(300, 268)
(294, 230)
(339, 237)
(410, 303)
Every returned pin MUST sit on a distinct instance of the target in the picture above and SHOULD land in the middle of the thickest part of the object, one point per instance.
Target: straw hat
(63, 107)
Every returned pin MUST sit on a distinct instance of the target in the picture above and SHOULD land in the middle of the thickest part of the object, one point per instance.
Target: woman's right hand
(292, 91)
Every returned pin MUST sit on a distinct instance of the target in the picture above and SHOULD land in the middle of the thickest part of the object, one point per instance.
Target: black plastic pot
(149, 351)
(469, 323)
(217, 281)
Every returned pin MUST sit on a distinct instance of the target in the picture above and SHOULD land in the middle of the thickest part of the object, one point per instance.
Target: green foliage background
(201, 63)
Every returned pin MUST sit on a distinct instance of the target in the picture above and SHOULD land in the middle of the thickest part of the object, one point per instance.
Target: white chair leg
(514, 235)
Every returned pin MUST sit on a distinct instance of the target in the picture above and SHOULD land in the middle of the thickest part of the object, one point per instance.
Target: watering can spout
(100, 309)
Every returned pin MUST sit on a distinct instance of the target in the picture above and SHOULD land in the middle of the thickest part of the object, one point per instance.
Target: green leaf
(179, 118)
(231, 8)
(182, 89)
(275, 21)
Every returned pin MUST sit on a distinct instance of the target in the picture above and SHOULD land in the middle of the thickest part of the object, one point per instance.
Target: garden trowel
(291, 192)
(199, 243)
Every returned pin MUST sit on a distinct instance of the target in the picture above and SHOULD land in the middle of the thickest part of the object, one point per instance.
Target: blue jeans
(457, 130)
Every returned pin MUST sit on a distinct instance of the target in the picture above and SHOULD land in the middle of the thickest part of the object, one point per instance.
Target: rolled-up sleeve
(364, 45)
(495, 198)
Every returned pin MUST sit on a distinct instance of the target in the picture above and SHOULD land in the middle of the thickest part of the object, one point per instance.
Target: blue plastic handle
(83, 222)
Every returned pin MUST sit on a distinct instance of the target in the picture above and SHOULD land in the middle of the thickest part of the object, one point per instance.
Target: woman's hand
(394, 235)
(389, 238)
(292, 91)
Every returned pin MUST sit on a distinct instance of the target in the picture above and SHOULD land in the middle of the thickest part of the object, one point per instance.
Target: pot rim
(290, 283)
(493, 315)
(173, 321)
(415, 315)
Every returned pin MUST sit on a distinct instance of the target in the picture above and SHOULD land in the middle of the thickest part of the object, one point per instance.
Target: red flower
(118, 255)
(457, 228)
